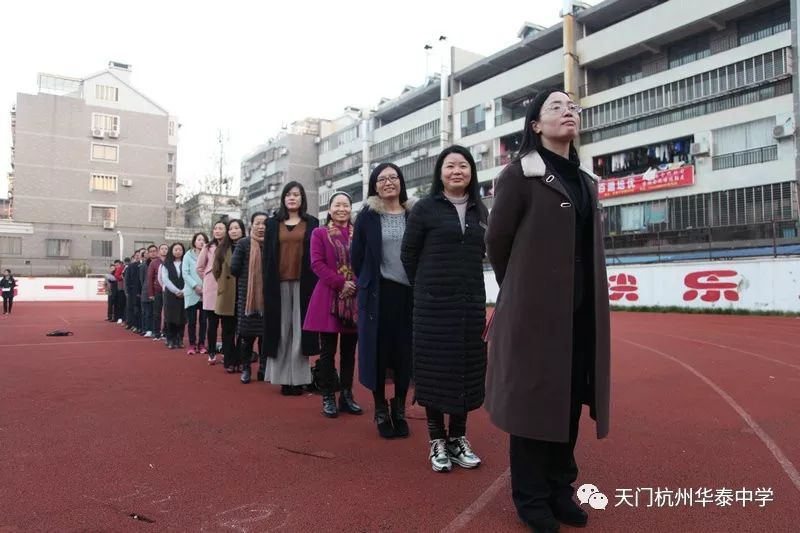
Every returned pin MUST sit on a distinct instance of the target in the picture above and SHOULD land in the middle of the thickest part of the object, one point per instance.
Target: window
(104, 122)
(764, 24)
(417, 136)
(170, 191)
(170, 163)
(107, 93)
(10, 245)
(57, 247)
(102, 249)
(138, 245)
(171, 130)
(103, 182)
(105, 152)
(99, 213)
(740, 137)
(473, 120)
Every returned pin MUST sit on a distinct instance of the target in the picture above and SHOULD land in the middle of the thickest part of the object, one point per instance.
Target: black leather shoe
(399, 418)
(347, 404)
(286, 390)
(260, 376)
(383, 421)
(246, 375)
(329, 405)
(297, 390)
(568, 512)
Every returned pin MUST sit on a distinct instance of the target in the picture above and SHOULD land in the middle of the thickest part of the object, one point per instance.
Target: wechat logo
(590, 494)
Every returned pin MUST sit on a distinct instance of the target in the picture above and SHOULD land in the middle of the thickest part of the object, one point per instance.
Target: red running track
(103, 425)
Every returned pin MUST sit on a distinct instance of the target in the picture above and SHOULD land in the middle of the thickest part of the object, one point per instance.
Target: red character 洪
(709, 283)
(622, 286)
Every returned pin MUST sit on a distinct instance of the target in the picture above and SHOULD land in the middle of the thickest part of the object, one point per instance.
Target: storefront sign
(664, 179)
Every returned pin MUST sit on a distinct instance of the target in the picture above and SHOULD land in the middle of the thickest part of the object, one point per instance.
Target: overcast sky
(247, 67)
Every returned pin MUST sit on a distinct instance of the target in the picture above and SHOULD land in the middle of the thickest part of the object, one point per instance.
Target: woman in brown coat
(549, 337)
(225, 305)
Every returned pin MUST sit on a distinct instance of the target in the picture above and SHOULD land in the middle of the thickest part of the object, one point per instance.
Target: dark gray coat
(249, 326)
(445, 267)
(530, 243)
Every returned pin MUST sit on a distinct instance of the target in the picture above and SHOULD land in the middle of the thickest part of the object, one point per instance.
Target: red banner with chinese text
(664, 179)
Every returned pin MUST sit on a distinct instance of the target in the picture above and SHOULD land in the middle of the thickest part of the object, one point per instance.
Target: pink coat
(323, 263)
(205, 263)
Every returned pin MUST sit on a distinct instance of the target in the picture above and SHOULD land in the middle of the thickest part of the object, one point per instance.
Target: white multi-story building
(689, 117)
(343, 157)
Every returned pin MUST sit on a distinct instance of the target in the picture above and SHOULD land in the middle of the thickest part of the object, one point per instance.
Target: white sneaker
(460, 452)
(440, 459)
(119, 321)
(148, 334)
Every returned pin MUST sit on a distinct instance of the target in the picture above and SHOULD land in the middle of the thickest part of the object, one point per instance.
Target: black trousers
(229, 349)
(246, 352)
(213, 324)
(394, 337)
(119, 307)
(174, 332)
(111, 299)
(197, 328)
(8, 303)
(158, 305)
(457, 427)
(327, 360)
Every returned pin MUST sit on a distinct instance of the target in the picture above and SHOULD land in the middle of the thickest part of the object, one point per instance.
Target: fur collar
(533, 166)
(376, 204)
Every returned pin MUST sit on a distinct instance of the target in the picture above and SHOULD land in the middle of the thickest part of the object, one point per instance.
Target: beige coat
(226, 288)
(530, 243)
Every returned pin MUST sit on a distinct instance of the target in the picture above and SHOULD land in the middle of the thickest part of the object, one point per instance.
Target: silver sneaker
(440, 460)
(461, 453)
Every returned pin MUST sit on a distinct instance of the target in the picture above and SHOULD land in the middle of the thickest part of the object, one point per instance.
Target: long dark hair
(372, 189)
(473, 189)
(216, 241)
(194, 238)
(170, 258)
(533, 141)
(226, 244)
(283, 213)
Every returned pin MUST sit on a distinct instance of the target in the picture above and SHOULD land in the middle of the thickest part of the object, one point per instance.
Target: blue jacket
(190, 279)
(366, 254)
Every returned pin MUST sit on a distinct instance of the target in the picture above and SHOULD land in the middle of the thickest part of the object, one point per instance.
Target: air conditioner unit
(127, 183)
(423, 152)
(263, 165)
(283, 151)
(782, 131)
(317, 140)
(415, 154)
(108, 224)
(478, 157)
(488, 105)
(97, 133)
(114, 134)
(700, 148)
(482, 148)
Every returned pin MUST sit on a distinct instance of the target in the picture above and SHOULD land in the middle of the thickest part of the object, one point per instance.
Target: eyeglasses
(558, 108)
(384, 179)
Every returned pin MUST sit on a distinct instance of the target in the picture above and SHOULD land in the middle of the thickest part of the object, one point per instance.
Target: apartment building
(290, 156)
(343, 157)
(94, 165)
(689, 117)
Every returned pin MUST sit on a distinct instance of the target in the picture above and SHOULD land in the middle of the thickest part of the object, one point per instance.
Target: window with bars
(102, 248)
(107, 93)
(419, 172)
(340, 167)
(170, 191)
(105, 122)
(764, 24)
(717, 82)
(339, 138)
(57, 247)
(10, 245)
(105, 152)
(99, 213)
(103, 182)
(404, 141)
(473, 120)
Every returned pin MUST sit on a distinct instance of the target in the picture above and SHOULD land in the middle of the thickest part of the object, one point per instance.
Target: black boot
(329, 405)
(246, 374)
(347, 404)
(262, 368)
(383, 420)
(568, 512)
(399, 418)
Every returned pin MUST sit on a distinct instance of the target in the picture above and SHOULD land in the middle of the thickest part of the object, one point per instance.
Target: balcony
(746, 157)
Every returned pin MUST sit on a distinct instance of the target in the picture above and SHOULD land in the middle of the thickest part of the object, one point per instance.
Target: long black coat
(366, 255)
(272, 289)
(249, 326)
(445, 266)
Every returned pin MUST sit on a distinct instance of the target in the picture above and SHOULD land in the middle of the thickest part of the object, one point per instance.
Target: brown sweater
(291, 252)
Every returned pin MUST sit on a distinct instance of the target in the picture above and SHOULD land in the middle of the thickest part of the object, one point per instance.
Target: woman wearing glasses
(384, 296)
(549, 338)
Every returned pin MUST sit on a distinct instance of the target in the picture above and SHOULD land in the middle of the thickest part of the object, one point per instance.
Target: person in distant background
(111, 292)
(7, 285)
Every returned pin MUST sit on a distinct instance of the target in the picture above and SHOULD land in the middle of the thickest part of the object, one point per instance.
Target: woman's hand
(349, 288)
(198, 290)
(179, 294)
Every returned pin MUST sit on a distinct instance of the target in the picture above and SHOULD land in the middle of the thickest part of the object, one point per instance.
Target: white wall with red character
(764, 284)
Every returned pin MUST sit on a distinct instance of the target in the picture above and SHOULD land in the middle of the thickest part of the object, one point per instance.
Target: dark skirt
(394, 332)
(174, 312)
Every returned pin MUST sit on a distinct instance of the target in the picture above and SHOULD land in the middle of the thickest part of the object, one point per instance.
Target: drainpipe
(570, 54)
(121, 241)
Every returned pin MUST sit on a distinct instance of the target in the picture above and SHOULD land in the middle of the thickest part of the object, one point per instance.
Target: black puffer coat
(249, 326)
(445, 267)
